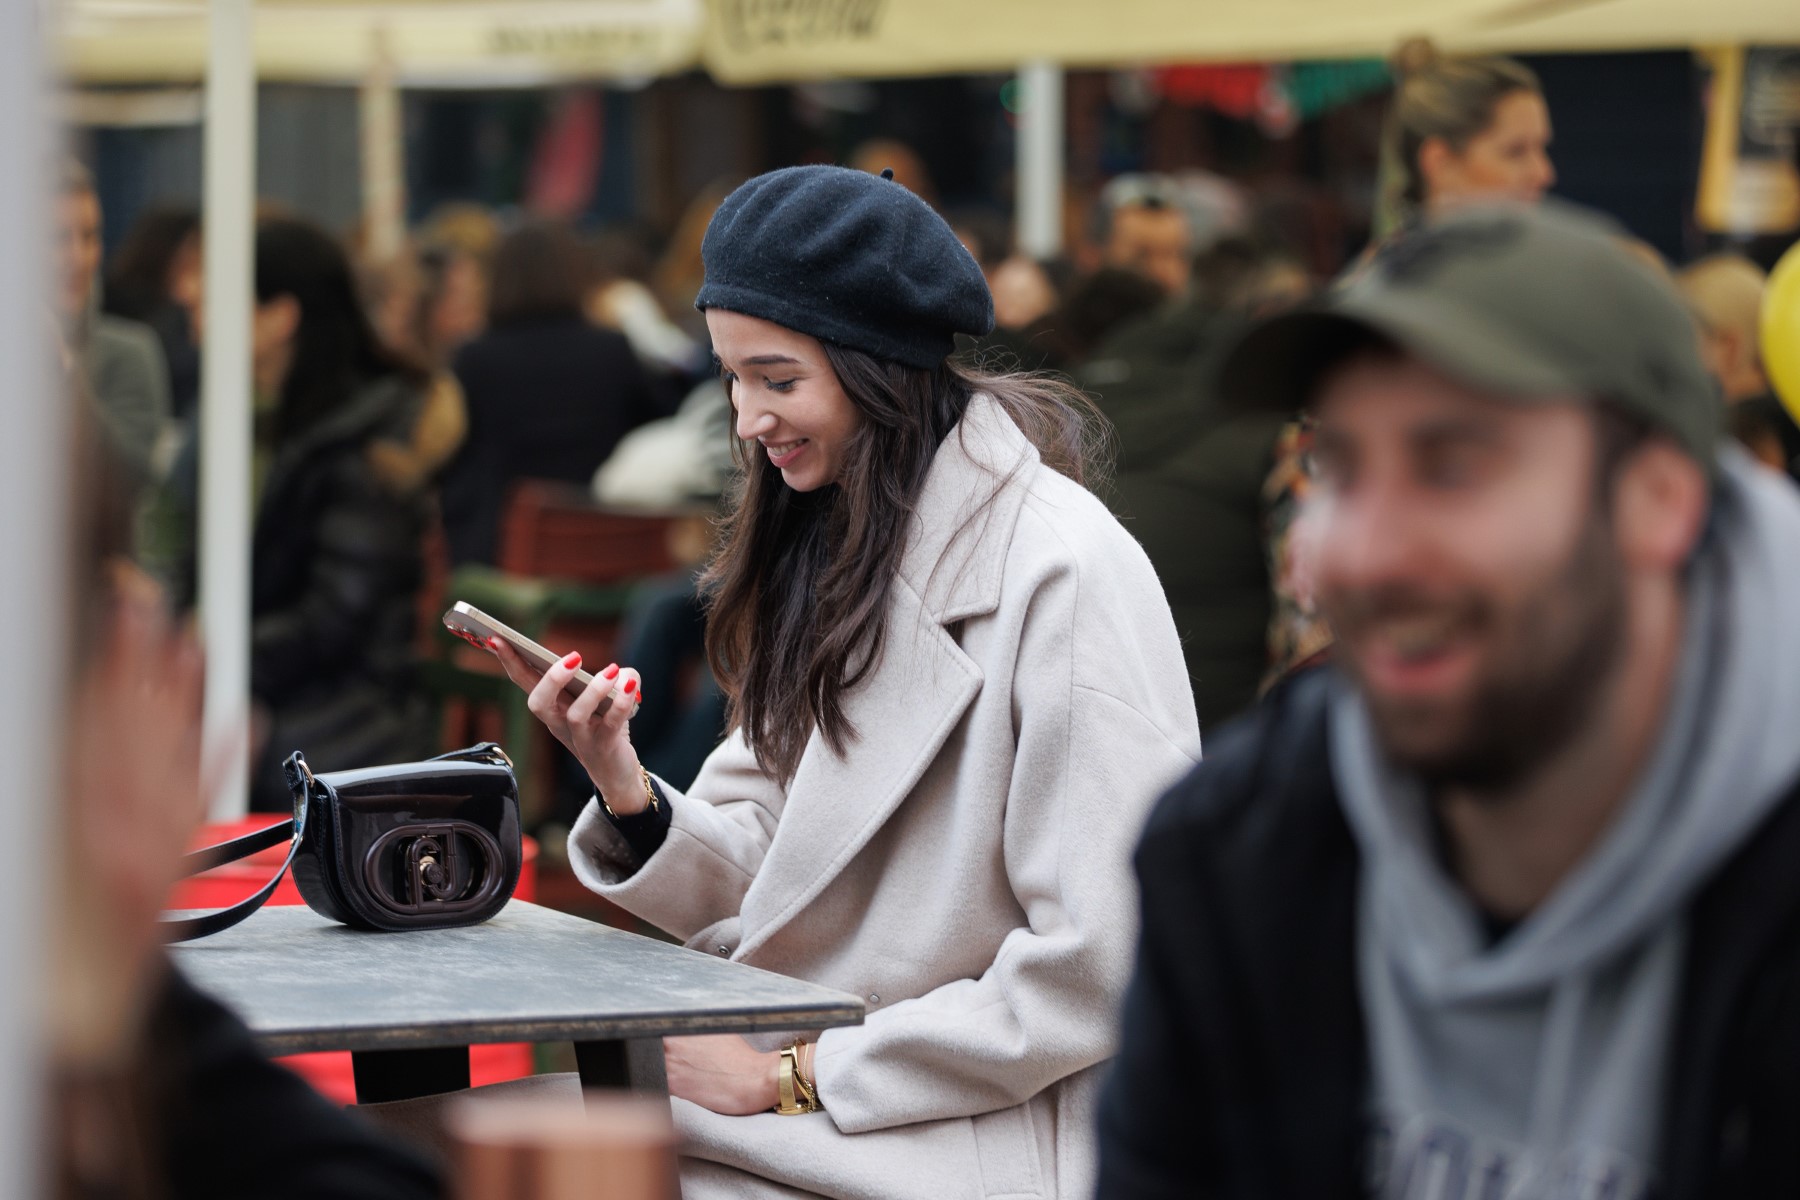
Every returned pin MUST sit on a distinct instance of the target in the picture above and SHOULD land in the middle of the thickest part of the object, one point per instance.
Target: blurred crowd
(400, 400)
(417, 390)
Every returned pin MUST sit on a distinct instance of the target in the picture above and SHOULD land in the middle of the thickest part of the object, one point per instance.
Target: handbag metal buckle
(431, 862)
(434, 867)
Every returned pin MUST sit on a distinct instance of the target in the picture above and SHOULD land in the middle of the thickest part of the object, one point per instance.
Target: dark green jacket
(1188, 486)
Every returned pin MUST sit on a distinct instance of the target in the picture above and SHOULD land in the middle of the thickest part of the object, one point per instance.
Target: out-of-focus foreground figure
(156, 1090)
(1503, 902)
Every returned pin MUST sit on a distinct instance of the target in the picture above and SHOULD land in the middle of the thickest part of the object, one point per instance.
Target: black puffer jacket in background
(1243, 1069)
(335, 576)
(1188, 486)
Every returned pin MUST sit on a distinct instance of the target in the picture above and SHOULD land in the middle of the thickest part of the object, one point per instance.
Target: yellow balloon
(1781, 330)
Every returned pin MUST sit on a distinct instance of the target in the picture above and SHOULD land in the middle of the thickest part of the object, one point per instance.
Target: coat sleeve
(365, 551)
(1104, 722)
(719, 831)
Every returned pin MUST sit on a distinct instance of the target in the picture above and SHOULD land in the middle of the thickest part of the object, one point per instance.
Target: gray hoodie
(1535, 1067)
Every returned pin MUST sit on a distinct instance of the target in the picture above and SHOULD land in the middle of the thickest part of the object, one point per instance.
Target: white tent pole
(383, 154)
(34, 491)
(1039, 179)
(225, 408)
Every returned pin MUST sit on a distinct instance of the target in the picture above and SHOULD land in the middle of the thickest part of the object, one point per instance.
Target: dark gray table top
(302, 983)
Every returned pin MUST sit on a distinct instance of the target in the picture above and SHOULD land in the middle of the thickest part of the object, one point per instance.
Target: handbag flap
(425, 844)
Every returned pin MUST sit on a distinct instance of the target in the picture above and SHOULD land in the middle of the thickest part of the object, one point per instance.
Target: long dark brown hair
(797, 593)
(336, 350)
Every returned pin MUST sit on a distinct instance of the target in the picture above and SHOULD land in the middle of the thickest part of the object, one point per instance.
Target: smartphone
(476, 627)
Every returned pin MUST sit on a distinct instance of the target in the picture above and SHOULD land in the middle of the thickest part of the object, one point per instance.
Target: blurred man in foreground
(1503, 904)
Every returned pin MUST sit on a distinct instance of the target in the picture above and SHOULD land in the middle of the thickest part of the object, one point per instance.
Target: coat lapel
(907, 708)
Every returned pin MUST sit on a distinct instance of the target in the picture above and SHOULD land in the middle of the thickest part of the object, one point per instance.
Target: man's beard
(1550, 655)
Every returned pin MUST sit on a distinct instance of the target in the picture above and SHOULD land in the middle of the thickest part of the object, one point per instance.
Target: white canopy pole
(225, 407)
(383, 154)
(34, 492)
(1039, 175)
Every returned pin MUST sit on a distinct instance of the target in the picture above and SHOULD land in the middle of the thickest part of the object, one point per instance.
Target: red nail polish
(573, 660)
(610, 671)
(492, 643)
(630, 686)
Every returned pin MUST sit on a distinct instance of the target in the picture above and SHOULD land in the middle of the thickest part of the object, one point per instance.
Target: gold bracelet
(649, 794)
(793, 1097)
(804, 1059)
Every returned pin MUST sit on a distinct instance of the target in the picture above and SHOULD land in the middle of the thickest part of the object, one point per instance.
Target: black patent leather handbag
(424, 845)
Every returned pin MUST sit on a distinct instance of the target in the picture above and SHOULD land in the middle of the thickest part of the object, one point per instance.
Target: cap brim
(1279, 363)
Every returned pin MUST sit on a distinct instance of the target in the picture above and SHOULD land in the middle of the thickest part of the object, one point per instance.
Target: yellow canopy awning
(443, 42)
(754, 41)
(473, 42)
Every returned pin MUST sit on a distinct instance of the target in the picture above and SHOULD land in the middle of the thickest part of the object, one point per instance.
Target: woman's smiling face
(786, 396)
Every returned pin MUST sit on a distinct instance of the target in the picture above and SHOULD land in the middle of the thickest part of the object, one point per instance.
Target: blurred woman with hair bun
(1461, 129)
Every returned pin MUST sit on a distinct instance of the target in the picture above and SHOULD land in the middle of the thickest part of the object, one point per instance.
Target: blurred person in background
(1503, 901)
(986, 235)
(154, 1089)
(1025, 291)
(121, 362)
(391, 295)
(678, 274)
(336, 562)
(340, 498)
(1153, 348)
(154, 277)
(426, 302)
(1460, 130)
(1142, 225)
(549, 393)
(1725, 294)
(1059, 337)
(466, 227)
(401, 312)
(620, 298)
(1191, 466)
(452, 301)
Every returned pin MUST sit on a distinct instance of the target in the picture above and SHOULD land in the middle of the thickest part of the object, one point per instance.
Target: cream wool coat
(964, 869)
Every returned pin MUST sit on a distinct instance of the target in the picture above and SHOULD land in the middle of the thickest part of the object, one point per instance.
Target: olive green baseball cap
(1540, 303)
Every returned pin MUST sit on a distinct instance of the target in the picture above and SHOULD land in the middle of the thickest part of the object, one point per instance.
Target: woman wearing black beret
(955, 691)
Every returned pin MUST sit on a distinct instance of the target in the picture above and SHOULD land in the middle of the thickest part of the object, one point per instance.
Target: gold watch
(794, 1095)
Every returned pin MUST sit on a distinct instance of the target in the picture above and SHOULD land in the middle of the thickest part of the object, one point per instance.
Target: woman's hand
(602, 744)
(723, 1073)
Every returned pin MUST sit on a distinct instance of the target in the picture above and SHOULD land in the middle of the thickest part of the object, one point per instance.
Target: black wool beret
(846, 257)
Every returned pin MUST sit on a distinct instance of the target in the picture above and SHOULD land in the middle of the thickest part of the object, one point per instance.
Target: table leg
(636, 1064)
(406, 1074)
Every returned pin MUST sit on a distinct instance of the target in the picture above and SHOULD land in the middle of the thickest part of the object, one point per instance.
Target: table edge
(571, 1029)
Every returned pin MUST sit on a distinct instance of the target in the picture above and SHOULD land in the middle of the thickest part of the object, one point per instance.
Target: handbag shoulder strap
(292, 831)
(481, 752)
